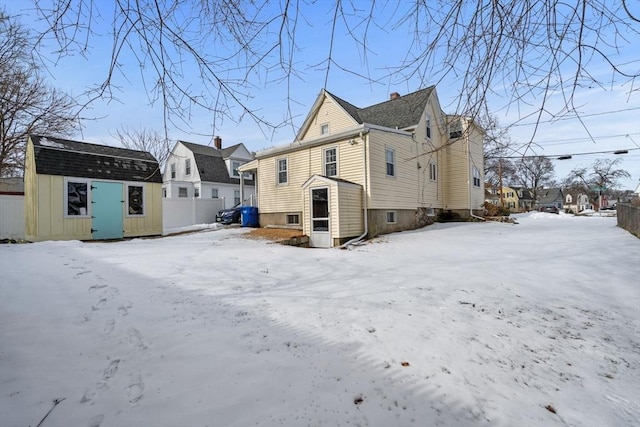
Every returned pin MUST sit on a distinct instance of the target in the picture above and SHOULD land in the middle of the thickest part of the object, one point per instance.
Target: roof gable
(210, 162)
(56, 156)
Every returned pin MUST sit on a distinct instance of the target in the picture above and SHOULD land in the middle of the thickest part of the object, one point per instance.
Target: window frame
(325, 163)
(196, 192)
(477, 177)
(186, 193)
(433, 171)
(236, 197)
(391, 164)
(279, 181)
(187, 167)
(172, 168)
(392, 217)
(217, 193)
(455, 129)
(65, 203)
(428, 125)
(234, 170)
(323, 127)
(293, 219)
(128, 200)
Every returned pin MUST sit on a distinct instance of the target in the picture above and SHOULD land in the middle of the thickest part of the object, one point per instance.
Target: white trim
(388, 150)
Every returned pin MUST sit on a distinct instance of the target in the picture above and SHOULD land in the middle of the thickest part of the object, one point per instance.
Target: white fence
(177, 212)
(11, 217)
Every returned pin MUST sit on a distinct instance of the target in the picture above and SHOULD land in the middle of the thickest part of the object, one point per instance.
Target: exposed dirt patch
(274, 234)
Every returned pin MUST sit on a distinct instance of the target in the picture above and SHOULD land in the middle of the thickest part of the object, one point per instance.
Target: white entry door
(320, 230)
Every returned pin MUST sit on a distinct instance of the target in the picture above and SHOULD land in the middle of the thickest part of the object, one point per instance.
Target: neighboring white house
(204, 172)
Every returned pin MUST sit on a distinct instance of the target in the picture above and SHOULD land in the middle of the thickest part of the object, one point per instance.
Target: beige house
(359, 172)
(79, 191)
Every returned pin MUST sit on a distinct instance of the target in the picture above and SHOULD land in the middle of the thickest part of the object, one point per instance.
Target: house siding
(349, 211)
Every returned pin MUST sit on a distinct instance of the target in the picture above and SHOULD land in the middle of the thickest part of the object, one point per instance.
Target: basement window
(293, 219)
(391, 217)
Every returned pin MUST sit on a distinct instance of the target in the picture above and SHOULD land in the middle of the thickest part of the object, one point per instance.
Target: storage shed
(80, 191)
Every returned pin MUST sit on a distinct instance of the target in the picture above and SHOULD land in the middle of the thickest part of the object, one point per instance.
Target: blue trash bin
(249, 216)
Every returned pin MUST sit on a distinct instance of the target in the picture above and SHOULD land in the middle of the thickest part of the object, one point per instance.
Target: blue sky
(610, 118)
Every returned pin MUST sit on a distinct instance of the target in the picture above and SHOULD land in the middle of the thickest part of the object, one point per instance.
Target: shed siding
(151, 222)
(30, 194)
(332, 114)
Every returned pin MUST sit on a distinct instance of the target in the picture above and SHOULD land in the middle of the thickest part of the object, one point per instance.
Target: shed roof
(56, 156)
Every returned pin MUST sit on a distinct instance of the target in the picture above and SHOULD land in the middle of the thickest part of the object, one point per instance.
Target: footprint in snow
(109, 326)
(96, 421)
(135, 388)
(123, 310)
(135, 338)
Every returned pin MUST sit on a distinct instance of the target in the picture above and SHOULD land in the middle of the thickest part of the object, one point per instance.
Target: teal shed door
(106, 210)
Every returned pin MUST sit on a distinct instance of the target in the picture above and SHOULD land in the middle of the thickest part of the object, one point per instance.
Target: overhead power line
(566, 156)
(574, 117)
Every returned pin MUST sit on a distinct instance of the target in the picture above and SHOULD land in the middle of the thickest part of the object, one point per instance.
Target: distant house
(575, 202)
(77, 190)
(525, 199)
(354, 172)
(200, 171)
(550, 197)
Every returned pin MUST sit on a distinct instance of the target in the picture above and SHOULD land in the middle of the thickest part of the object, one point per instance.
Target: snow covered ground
(458, 324)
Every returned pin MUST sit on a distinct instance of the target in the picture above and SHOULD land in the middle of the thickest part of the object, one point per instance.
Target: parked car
(229, 216)
(549, 209)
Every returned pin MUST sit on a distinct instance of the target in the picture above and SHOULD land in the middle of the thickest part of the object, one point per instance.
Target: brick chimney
(394, 95)
(217, 141)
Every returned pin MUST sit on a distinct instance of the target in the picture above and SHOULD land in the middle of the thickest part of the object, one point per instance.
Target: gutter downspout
(471, 215)
(358, 239)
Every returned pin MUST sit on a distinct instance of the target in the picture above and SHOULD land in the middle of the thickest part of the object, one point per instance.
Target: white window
(455, 129)
(391, 217)
(234, 168)
(173, 170)
(283, 174)
(76, 196)
(135, 199)
(330, 158)
(324, 129)
(196, 192)
(187, 167)
(391, 163)
(214, 193)
(433, 171)
(476, 178)
(182, 192)
(236, 197)
(428, 125)
(293, 219)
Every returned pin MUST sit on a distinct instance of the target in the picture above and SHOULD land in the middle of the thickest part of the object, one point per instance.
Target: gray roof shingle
(402, 112)
(56, 156)
(211, 165)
